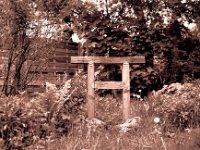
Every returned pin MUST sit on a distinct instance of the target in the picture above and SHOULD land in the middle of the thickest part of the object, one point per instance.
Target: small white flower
(156, 119)
(138, 96)
(188, 130)
(140, 91)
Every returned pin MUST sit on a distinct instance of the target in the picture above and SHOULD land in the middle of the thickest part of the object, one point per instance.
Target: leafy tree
(17, 18)
(143, 27)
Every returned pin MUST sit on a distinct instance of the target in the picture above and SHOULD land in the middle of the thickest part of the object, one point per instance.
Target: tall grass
(50, 122)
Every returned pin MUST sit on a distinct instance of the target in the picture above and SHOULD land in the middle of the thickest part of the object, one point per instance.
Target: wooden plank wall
(54, 72)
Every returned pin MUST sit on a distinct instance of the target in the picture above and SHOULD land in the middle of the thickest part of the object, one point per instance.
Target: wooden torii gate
(92, 84)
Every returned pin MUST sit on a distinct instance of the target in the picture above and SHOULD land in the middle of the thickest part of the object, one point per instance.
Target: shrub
(23, 120)
(179, 105)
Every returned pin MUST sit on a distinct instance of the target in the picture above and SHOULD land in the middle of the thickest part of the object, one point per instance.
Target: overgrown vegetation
(57, 120)
(25, 120)
(168, 118)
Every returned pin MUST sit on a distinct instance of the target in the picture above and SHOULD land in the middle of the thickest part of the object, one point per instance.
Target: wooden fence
(54, 70)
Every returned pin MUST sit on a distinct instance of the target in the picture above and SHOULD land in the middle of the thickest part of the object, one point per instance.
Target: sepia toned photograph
(99, 74)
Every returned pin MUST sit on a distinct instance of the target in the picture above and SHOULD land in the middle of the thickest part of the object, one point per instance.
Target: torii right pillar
(126, 90)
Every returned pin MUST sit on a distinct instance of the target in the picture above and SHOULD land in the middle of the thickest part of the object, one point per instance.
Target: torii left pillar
(90, 91)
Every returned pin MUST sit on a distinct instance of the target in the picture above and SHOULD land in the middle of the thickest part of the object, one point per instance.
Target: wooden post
(90, 93)
(126, 91)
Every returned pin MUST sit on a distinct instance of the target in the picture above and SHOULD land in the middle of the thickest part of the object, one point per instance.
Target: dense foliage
(156, 29)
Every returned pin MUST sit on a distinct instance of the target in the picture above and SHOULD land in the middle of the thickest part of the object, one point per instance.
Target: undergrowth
(56, 120)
